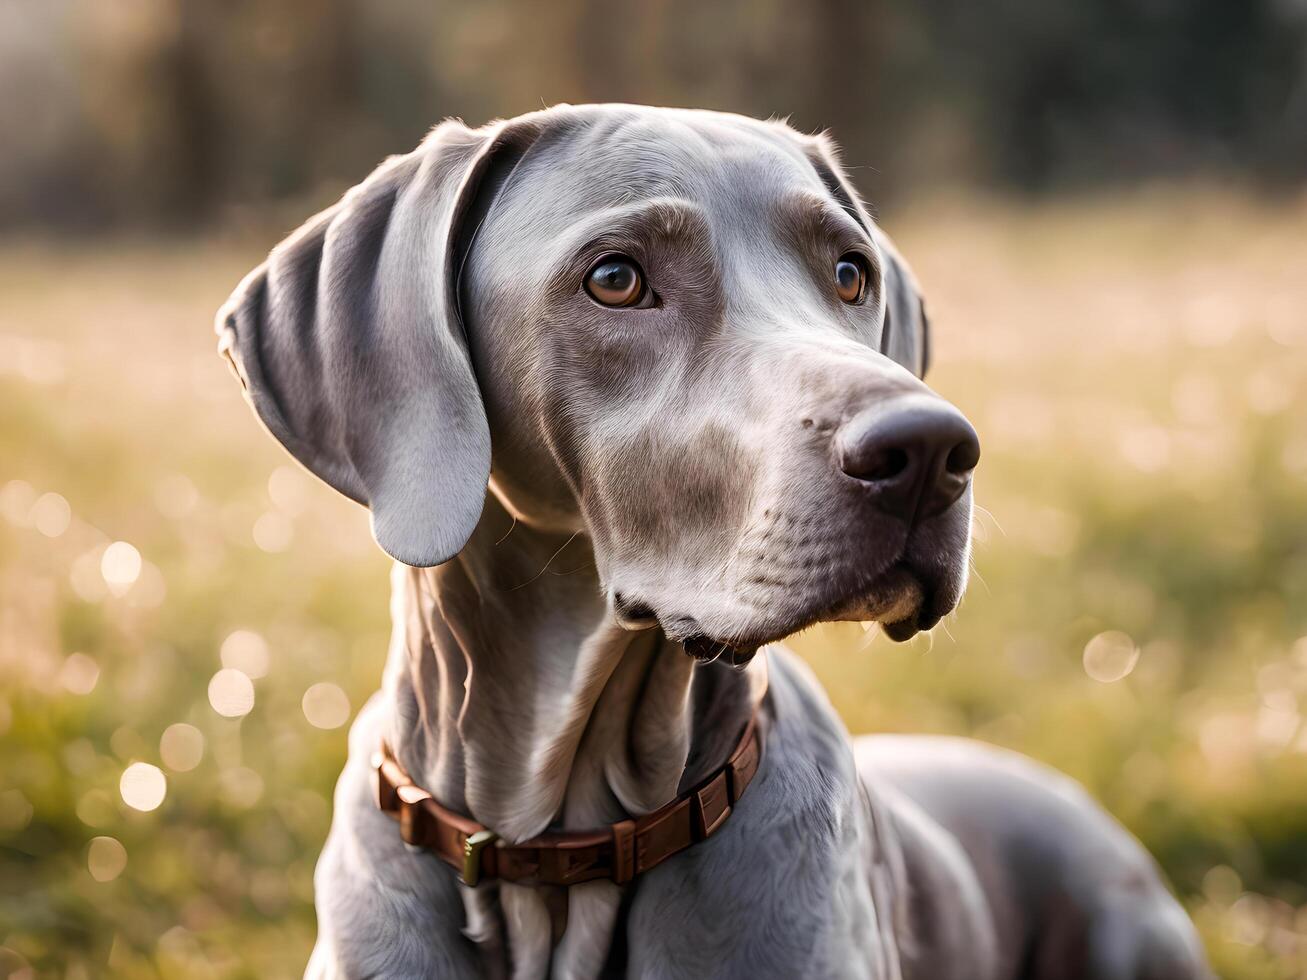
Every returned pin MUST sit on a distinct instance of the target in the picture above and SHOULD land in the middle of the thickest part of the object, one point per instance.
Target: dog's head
(676, 332)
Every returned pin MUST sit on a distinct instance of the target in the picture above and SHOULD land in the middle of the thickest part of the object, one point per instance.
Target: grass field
(1137, 369)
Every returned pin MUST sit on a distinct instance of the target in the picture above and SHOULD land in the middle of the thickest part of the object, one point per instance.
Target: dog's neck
(518, 700)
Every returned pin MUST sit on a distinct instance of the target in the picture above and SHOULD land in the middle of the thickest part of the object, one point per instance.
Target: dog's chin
(900, 600)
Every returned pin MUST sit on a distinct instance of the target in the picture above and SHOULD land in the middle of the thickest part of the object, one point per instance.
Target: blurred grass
(1137, 368)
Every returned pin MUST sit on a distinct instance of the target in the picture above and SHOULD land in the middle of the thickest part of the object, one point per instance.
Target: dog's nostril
(914, 453)
(884, 465)
(963, 457)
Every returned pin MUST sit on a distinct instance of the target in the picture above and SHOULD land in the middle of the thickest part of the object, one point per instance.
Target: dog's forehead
(616, 156)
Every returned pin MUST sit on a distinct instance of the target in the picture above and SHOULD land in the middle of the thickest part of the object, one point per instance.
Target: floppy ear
(906, 335)
(350, 348)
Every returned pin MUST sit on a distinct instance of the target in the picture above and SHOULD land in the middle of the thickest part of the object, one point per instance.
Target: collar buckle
(472, 848)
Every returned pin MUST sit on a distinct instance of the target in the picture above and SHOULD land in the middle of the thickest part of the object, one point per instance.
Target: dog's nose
(916, 454)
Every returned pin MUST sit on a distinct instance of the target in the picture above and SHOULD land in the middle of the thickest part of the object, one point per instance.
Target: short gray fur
(654, 474)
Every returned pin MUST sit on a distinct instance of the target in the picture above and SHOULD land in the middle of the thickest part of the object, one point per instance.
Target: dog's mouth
(706, 650)
(899, 599)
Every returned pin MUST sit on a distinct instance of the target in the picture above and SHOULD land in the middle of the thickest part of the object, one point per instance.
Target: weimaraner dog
(686, 364)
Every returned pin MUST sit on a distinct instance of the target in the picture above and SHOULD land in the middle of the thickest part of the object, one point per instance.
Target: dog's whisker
(573, 571)
(989, 514)
(510, 530)
(547, 563)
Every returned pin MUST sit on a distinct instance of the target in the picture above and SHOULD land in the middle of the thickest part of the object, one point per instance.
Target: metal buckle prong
(472, 848)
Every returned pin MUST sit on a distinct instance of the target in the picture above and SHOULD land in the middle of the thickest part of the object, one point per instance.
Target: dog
(632, 394)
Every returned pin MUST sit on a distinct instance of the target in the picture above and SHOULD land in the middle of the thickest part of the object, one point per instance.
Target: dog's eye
(615, 281)
(850, 277)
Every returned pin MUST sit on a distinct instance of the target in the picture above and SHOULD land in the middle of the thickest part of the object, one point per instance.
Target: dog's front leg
(591, 917)
(384, 909)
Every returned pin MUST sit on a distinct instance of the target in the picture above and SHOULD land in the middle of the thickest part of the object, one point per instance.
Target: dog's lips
(898, 599)
(707, 650)
(893, 596)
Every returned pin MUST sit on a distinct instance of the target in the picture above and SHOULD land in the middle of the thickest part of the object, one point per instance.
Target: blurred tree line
(191, 113)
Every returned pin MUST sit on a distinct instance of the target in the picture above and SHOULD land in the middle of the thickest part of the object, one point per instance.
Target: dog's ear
(906, 334)
(350, 348)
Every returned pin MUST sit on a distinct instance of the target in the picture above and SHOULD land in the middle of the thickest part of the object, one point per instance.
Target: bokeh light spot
(15, 810)
(181, 747)
(106, 858)
(231, 693)
(241, 786)
(143, 786)
(246, 651)
(273, 531)
(289, 489)
(1286, 325)
(1299, 650)
(1146, 447)
(79, 674)
(325, 705)
(80, 757)
(51, 515)
(121, 566)
(96, 808)
(1222, 885)
(85, 577)
(1248, 920)
(150, 589)
(1276, 725)
(1227, 740)
(1110, 656)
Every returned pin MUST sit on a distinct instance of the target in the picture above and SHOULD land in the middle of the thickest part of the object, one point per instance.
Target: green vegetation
(1137, 369)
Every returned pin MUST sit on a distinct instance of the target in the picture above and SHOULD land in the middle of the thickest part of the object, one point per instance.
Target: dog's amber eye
(615, 281)
(850, 278)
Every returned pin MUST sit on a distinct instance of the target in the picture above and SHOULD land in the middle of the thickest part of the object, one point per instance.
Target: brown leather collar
(617, 852)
